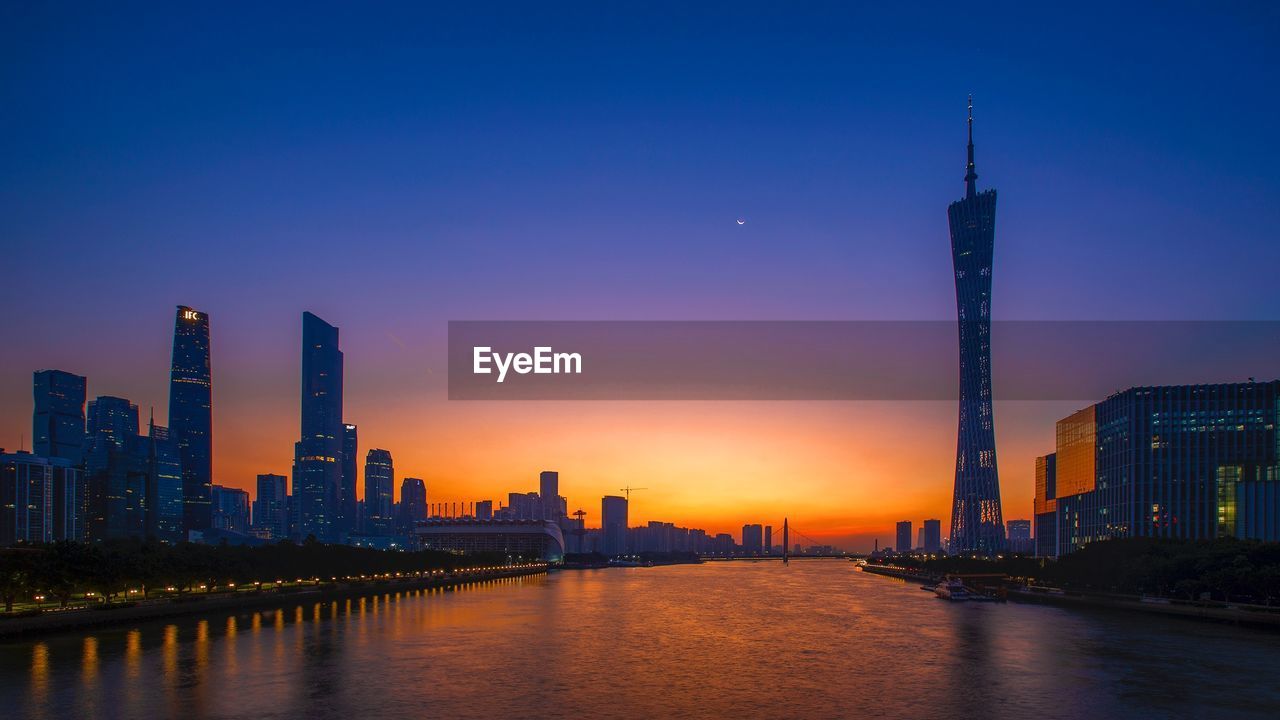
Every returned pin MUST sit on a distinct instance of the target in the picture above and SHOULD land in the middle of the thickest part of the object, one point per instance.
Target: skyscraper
(379, 479)
(413, 503)
(230, 509)
(159, 456)
(347, 491)
(549, 494)
(976, 521)
(752, 539)
(113, 417)
(57, 424)
(271, 508)
(932, 543)
(768, 539)
(191, 414)
(317, 463)
(613, 524)
(902, 543)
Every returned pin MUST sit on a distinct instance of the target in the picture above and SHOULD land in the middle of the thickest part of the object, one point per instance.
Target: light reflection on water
(741, 639)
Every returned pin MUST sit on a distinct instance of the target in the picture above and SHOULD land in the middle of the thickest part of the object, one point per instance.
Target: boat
(955, 591)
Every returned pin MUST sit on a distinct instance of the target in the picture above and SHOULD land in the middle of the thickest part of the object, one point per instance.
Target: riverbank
(1251, 615)
(95, 617)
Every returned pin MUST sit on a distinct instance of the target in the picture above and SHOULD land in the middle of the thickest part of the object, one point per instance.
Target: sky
(392, 167)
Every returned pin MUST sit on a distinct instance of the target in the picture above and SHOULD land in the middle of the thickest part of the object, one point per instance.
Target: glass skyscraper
(1188, 461)
(379, 484)
(317, 463)
(347, 492)
(57, 424)
(977, 525)
(191, 414)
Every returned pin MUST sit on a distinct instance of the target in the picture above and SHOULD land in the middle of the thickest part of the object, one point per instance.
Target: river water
(815, 639)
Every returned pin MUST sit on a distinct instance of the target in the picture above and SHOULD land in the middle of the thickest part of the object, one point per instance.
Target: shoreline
(23, 628)
(1169, 607)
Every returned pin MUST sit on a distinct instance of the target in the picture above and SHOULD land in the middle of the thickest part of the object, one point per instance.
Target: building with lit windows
(1187, 461)
(317, 463)
(977, 526)
(57, 423)
(271, 507)
(528, 539)
(191, 414)
(379, 486)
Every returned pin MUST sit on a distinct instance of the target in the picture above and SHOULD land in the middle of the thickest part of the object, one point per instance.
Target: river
(815, 639)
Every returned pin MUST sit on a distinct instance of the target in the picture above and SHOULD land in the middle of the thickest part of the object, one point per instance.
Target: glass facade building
(191, 414)
(1189, 462)
(317, 463)
(977, 526)
(271, 508)
(347, 500)
(379, 486)
(57, 423)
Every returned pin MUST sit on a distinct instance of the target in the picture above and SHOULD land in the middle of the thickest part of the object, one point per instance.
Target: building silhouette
(41, 499)
(613, 524)
(347, 489)
(379, 484)
(191, 414)
(549, 495)
(932, 542)
(230, 509)
(1018, 536)
(413, 503)
(902, 543)
(57, 423)
(317, 463)
(977, 526)
(271, 508)
(752, 539)
(1187, 461)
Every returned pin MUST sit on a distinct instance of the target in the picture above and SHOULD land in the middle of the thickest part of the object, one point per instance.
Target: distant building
(768, 539)
(484, 510)
(191, 414)
(549, 494)
(165, 511)
(317, 461)
(613, 522)
(230, 509)
(379, 486)
(346, 519)
(752, 539)
(41, 499)
(413, 503)
(903, 543)
(271, 508)
(133, 483)
(1018, 537)
(528, 539)
(932, 530)
(112, 417)
(1188, 461)
(57, 423)
(524, 506)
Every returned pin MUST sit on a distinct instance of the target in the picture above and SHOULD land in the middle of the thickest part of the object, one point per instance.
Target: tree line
(63, 570)
(1225, 569)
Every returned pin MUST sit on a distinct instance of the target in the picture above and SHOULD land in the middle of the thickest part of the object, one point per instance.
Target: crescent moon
(741, 221)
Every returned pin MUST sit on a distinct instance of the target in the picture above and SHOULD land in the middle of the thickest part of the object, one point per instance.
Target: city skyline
(418, 201)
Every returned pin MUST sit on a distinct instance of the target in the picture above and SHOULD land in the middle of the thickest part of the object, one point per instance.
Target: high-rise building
(1018, 536)
(613, 523)
(484, 510)
(413, 503)
(191, 414)
(768, 539)
(271, 508)
(977, 526)
(1045, 506)
(347, 490)
(41, 499)
(230, 509)
(379, 484)
(549, 494)
(112, 417)
(57, 423)
(932, 542)
(902, 543)
(752, 539)
(317, 463)
(165, 509)
(1186, 461)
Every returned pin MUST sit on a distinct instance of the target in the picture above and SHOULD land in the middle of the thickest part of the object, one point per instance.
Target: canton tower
(976, 523)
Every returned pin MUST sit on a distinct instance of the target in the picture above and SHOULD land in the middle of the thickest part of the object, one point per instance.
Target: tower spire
(971, 176)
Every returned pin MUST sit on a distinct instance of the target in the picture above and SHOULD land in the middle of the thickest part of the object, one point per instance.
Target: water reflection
(722, 639)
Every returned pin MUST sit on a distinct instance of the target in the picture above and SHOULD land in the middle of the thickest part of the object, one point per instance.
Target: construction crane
(628, 491)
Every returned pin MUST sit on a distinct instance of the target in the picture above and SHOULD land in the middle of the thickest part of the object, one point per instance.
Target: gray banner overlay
(845, 360)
